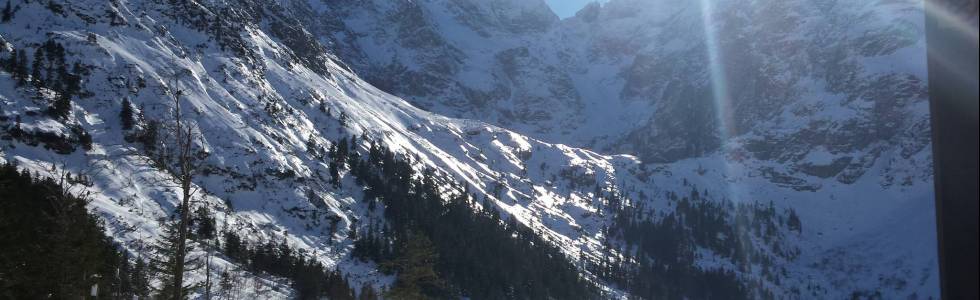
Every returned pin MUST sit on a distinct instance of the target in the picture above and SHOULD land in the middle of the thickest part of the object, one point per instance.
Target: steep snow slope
(816, 97)
(264, 93)
(259, 110)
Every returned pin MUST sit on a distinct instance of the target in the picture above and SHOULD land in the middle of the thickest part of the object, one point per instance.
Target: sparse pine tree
(205, 227)
(334, 174)
(343, 149)
(140, 279)
(71, 81)
(149, 135)
(167, 266)
(20, 67)
(10, 64)
(36, 67)
(225, 285)
(233, 246)
(5, 62)
(61, 107)
(793, 222)
(7, 14)
(126, 115)
(313, 147)
(343, 119)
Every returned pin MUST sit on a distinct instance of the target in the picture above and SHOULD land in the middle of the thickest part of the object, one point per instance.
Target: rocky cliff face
(679, 78)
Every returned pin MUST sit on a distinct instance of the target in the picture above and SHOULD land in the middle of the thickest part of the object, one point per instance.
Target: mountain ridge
(271, 90)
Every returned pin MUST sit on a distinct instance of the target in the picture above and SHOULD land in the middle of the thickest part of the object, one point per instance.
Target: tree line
(445, 244)
(309, 278)
(658, 254)
(53, 247)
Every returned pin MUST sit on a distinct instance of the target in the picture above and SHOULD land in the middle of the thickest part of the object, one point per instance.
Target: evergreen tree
(233, 246)
(343, 119)
(52, 247)
(342, 151)
(84, 138)
(7, 14)
(148, 135)
(334, 174)
(36, 67)
(123, 285)
(225, 285)
(140, 279)
(793, 222)
(126, 115)
(205, 227)
(71, 82)
(312, 147)
(21, 68)
(167, 266)
(61, 107)
(367, 293)
(10, 63)
(415, 265)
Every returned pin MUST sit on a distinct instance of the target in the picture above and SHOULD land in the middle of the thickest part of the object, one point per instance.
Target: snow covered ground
(258, 107)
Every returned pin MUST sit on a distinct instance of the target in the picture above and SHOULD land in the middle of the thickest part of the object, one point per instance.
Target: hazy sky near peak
(568, 8)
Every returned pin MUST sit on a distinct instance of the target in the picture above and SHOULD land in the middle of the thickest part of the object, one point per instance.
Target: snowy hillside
(494, 88)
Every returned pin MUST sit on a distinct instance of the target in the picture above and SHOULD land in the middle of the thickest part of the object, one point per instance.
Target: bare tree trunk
(184, 138)
(182, 241)
(207, 271)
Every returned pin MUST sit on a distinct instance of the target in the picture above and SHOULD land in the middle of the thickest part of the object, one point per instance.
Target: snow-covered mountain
(670, 73)
(754, 112)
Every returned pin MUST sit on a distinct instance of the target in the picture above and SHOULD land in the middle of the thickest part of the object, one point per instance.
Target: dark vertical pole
(953, 93)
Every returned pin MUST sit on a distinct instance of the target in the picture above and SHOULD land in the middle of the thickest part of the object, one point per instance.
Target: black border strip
(953, 93)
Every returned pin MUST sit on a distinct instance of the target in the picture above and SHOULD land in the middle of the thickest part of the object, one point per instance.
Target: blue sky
(568, 8)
